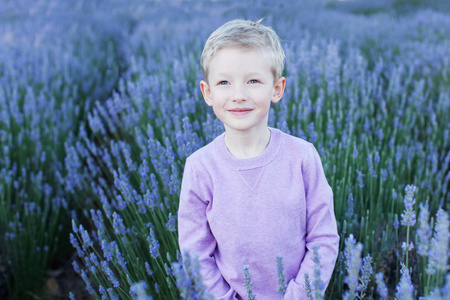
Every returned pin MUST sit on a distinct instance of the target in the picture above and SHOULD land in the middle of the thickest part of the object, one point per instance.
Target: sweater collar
(250, 163)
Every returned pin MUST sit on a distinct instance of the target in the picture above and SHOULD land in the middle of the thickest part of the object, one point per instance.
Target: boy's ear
(278, 89)
(206, 91)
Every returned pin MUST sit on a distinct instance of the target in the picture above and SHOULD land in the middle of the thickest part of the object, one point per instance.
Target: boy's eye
(254, 81)
(223, 82)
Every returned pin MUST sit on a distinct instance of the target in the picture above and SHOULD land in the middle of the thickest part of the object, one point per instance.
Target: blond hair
(248, 35)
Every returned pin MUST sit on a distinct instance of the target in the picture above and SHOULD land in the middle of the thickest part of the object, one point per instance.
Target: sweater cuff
(230, 295)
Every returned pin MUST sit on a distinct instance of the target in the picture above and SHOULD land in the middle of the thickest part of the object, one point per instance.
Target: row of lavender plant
(372, 95)
(53, 64)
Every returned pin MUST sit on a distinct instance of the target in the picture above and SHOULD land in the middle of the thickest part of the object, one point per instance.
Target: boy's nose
(239, 94)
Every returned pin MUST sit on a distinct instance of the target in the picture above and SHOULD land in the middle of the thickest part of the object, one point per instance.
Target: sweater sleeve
(321, 228)
(195, 235)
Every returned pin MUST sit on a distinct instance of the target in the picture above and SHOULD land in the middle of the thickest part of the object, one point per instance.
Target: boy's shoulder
(207, 152)
(293, 142)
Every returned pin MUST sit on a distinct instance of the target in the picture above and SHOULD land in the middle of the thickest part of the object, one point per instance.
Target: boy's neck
(243, 144)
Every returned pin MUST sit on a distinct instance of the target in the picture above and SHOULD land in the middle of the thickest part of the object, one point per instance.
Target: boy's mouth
(240, 111)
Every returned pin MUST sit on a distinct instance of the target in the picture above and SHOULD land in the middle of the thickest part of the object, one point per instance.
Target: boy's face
(240, 88)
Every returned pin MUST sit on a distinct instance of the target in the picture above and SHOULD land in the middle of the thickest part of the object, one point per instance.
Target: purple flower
(74, 226)
(148, 269)
(408, 215)
(139, 291)
(352, 254)
(87, 242)
(248, 283)
(318, 285)
(111, 277)
(171, 223)
(118, 226)
(76, 267)
(366, 271)
(188, 278)
(308, 286)
(76, 245)
(153, 244)
(381, 286)
(350, 209)
(439, 246)
(71, 296)
(101, 290)
(407, 247)
(106, 247)
(97, 218)
(86, 280)
(405, 289)
(424, 231)
(281, 277)
(112, 294)
(120, 259)
(360, 179)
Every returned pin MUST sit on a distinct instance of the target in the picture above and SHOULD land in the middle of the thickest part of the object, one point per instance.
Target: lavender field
(100, 106)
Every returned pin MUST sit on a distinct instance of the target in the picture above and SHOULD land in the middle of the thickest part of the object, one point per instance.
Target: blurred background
(100, 106)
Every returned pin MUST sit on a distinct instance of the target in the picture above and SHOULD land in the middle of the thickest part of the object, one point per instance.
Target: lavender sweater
(235, 212)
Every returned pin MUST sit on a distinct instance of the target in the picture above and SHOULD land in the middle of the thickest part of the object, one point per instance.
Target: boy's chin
(246, 129)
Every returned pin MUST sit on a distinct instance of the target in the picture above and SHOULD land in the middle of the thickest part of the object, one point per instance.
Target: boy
(254, 193)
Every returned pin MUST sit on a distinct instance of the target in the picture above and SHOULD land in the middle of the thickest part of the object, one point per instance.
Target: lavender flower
(97, 218)
(87, 281)
(120, 259)
(350, 209)
(101, 290)
(112, 294)
(153, 244)
(408, 215)
(360, 179)
(352, 254)
(395, 223)
(138, 291)
(76, 245)
(148, 269)
(308, 286)
(405, 289)
(188, 278)
(439, 247)
(371, 168)
(248, 283)
(381, 286)
(111, 277)
(76, 267)
(318, 284)
(366, 271)
(72, 296)
(74, 226)
(87, 242)
(171, 223)
(407, 247)
(106, 247)
(118, 226)
(281, 277)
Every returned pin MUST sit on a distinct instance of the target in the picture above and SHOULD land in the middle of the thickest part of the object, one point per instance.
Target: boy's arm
(195, 235)
(321, 229)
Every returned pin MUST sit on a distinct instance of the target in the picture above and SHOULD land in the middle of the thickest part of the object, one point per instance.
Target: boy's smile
(240, 88)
